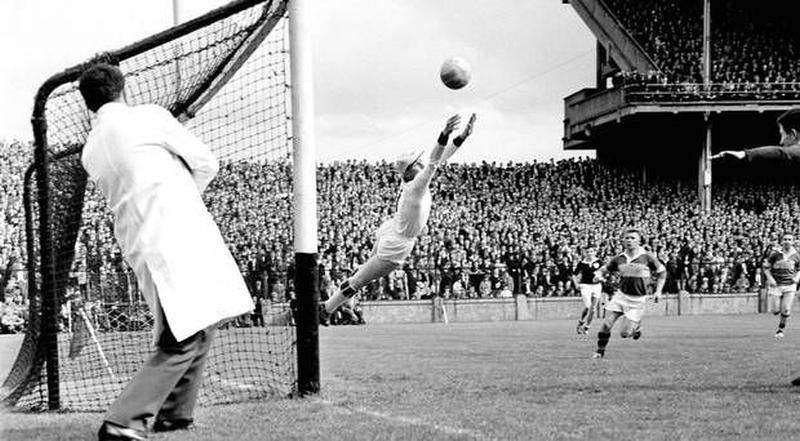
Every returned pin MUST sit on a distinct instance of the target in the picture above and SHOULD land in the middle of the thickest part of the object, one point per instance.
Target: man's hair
(638, 232)
(100, 84)
(790, 120)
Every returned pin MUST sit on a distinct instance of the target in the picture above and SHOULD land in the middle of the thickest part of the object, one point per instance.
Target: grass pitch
(688, 378)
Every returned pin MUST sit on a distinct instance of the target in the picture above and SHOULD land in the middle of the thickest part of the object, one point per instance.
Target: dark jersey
(791, 153)
(783, 267)
(586, 271)
(635, 274)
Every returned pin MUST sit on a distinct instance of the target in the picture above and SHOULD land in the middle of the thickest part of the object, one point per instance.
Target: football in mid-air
(455, 73)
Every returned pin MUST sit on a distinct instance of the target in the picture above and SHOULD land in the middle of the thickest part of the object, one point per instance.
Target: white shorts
(391, 246)
(630, 306)
(783, 294)
(590, 291)
(781, 290)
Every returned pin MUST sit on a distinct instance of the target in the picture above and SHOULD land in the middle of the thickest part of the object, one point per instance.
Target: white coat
(138, 157)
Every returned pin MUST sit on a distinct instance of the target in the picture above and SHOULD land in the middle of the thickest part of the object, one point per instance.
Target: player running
(397, 236)
(583, 276)
(789, 150)
(635, 267)
(782, 271)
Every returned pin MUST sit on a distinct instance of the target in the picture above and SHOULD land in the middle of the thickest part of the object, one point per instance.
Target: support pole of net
(49, 334)
(305, 199)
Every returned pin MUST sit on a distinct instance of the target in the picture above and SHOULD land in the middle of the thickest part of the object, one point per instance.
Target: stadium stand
(496, 230)
(754, 49)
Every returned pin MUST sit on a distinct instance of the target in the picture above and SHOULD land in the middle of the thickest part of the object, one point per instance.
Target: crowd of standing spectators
(754, 47)
(495, 230)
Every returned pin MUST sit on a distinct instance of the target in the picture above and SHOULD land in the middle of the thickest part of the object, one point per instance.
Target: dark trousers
(168, 384)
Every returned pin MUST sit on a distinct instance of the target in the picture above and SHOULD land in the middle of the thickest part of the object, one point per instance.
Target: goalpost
(245, 89)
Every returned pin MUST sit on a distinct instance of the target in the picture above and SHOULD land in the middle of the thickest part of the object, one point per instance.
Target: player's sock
(781, 325)
(344, 294)
(602, 341)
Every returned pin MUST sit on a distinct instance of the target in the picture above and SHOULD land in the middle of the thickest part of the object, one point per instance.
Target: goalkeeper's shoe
(637, 333)
(598, 355)
(324, 315)
(779, 334)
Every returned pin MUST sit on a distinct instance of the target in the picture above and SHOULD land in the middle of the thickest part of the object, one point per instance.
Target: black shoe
(324, 315)
(796, 382)
(637, 334)
(112, 432)
(170, 425)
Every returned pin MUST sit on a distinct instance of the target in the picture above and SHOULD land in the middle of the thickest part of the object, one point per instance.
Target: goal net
(226, 75)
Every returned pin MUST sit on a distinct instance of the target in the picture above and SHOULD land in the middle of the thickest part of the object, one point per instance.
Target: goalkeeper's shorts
(391, 246)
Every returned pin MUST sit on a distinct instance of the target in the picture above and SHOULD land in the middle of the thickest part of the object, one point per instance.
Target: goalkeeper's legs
(171, 378)
(373, 269)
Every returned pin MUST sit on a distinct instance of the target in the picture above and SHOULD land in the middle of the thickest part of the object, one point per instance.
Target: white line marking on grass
(405, 420)
(246, 386)
(233, 383)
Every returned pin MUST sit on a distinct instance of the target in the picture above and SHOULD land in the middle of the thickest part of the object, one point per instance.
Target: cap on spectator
(405, 161)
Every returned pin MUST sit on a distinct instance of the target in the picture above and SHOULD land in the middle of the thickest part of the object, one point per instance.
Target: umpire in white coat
(152, 172)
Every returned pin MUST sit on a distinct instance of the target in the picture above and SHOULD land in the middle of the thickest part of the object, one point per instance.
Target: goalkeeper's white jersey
(413, 208)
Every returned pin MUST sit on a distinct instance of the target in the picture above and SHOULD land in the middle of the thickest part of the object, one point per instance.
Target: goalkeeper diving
(396, 237)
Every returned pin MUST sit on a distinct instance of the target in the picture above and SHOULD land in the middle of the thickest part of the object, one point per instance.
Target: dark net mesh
(228, 80)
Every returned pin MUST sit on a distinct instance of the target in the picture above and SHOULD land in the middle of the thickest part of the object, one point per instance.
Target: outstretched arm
(791, 153)
(451, 149)
(438, 149)
(729, 154)
(424, 178)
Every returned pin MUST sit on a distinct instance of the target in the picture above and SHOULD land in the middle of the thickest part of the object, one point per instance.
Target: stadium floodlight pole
(305, 199)
(704, 177)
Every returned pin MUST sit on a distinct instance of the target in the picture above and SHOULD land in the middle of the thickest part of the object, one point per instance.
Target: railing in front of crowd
(715, 92)
(120, 290)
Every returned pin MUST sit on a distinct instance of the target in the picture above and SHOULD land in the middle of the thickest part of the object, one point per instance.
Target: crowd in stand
(14, 159)
(495, 230)
(754, 48)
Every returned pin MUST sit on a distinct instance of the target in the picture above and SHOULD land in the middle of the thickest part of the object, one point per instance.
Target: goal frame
(42, 332)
